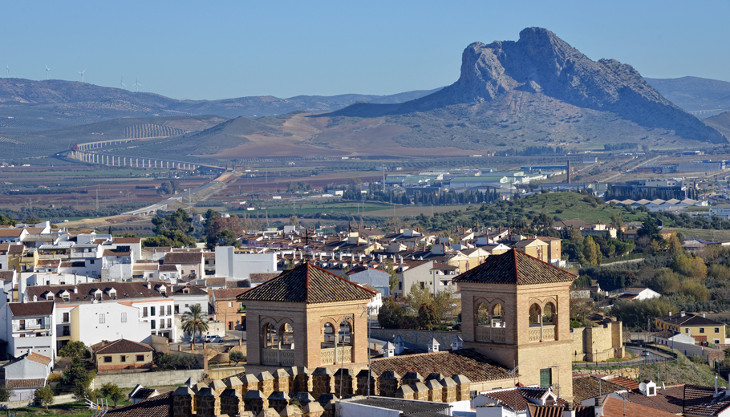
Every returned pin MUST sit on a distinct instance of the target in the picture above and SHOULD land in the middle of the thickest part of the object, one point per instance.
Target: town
(312, 321)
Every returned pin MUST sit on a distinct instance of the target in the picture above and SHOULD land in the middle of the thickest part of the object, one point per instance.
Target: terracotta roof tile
(183, 258)
(586, 387)
(35, 308)
(26, 383)
(121, 346)
(519, 398)
(615, 407)
(159, 406)
(228, 293)
(670, 399)
(700, 401)
(515, 267)
(307, 284)
(467, 362)
(38, 358)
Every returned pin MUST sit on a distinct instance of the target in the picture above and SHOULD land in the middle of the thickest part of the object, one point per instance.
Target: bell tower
(516, 311)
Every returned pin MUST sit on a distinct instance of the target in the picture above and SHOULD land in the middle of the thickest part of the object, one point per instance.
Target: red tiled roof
(700, 401)
(121, 346)
(183, 258)
(159, 406)
(26, 383)
(125, 290)
(515, 267)
(309, 284)
(466, 362)
(517, 398)
(37, 357)
(35, 308)
(670, 400)
(127, 240)
(624, 382)
(225, 294)
(614, 407)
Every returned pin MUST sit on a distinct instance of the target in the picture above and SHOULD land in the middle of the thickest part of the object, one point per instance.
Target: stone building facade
(307, 317)
(516, 310)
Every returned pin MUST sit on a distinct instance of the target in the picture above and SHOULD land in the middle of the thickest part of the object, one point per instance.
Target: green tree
(43, 396)
(237, 356)
(112, 392)
(194, 323)
(74, 350)
(591, 251)
(5, 221)
(5, 393)
(695, 289)
(172, 229)
(393, 279)
(391, 314)
(690, 266)
(427, 317)
(79, 377)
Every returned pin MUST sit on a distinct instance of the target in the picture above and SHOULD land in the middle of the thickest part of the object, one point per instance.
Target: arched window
(483, 315)
(345, 334)
(286, 332)
(535, 315)
(497, 320)
(271, 338)
(328, 335)
(549, 314)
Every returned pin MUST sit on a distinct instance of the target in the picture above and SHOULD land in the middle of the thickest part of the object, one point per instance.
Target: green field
(704, 234)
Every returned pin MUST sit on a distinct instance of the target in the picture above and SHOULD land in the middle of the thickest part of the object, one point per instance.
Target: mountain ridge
(542, 63)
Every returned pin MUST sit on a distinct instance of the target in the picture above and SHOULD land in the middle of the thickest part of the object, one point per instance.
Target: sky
(225, 49)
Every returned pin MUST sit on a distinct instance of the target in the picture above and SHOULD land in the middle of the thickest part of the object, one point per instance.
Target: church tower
(516, 311)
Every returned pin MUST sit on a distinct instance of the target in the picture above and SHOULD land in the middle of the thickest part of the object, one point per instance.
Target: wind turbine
(136, 86)
(121, 83)
(82, 74)
(7, 71)
(48, 69)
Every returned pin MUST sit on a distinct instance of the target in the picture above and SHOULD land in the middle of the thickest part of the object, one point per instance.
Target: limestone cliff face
(543, 64)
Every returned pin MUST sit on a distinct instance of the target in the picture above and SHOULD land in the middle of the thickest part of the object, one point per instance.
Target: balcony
(544, 333)
(275, 356)
(340, 354)
(490, 334)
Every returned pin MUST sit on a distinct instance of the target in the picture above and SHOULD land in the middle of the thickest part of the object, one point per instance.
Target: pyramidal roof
(308, 284)
(515, 267)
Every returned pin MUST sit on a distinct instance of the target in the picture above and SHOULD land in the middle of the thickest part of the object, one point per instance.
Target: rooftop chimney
(569, 411)
(681, 314)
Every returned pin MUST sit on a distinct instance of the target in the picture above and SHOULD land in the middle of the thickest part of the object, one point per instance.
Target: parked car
(213, 339)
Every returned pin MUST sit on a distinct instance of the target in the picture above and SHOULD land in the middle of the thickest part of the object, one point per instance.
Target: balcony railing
(490, 334)
(544, 333)
(275, 356)
(340, 354)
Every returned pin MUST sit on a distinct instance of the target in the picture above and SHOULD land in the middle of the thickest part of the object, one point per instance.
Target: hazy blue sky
(220, 49)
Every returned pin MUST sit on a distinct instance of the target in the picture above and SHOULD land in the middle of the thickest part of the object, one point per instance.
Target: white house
(92, 323)
(239, 266)
(26, 374)
(29, 327)
(185, 296)
(639, 294)
(376, 278)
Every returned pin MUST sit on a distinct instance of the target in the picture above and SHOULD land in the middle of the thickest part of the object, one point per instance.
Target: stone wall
(148, 379)
(274, 394)
(598, 343)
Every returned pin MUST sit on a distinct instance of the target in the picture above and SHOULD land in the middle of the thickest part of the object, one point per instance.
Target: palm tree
(194, 323)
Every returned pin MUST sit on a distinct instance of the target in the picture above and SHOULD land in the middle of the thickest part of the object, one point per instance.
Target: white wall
(238, 266)
(88, 327)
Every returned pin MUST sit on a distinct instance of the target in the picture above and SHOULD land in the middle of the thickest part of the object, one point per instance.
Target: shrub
(167, 361)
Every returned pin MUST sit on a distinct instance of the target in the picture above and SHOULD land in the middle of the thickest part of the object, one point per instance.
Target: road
(200, 193)
(637, 166)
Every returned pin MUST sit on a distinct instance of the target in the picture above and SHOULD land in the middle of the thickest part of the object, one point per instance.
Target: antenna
(48, 69)
(136, 86)
(82, 74)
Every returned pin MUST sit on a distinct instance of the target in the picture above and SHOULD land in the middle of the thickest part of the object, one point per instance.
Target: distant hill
(720, 122)
(508, 81)
(38, 105)
(537, 92)
(700, 96)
